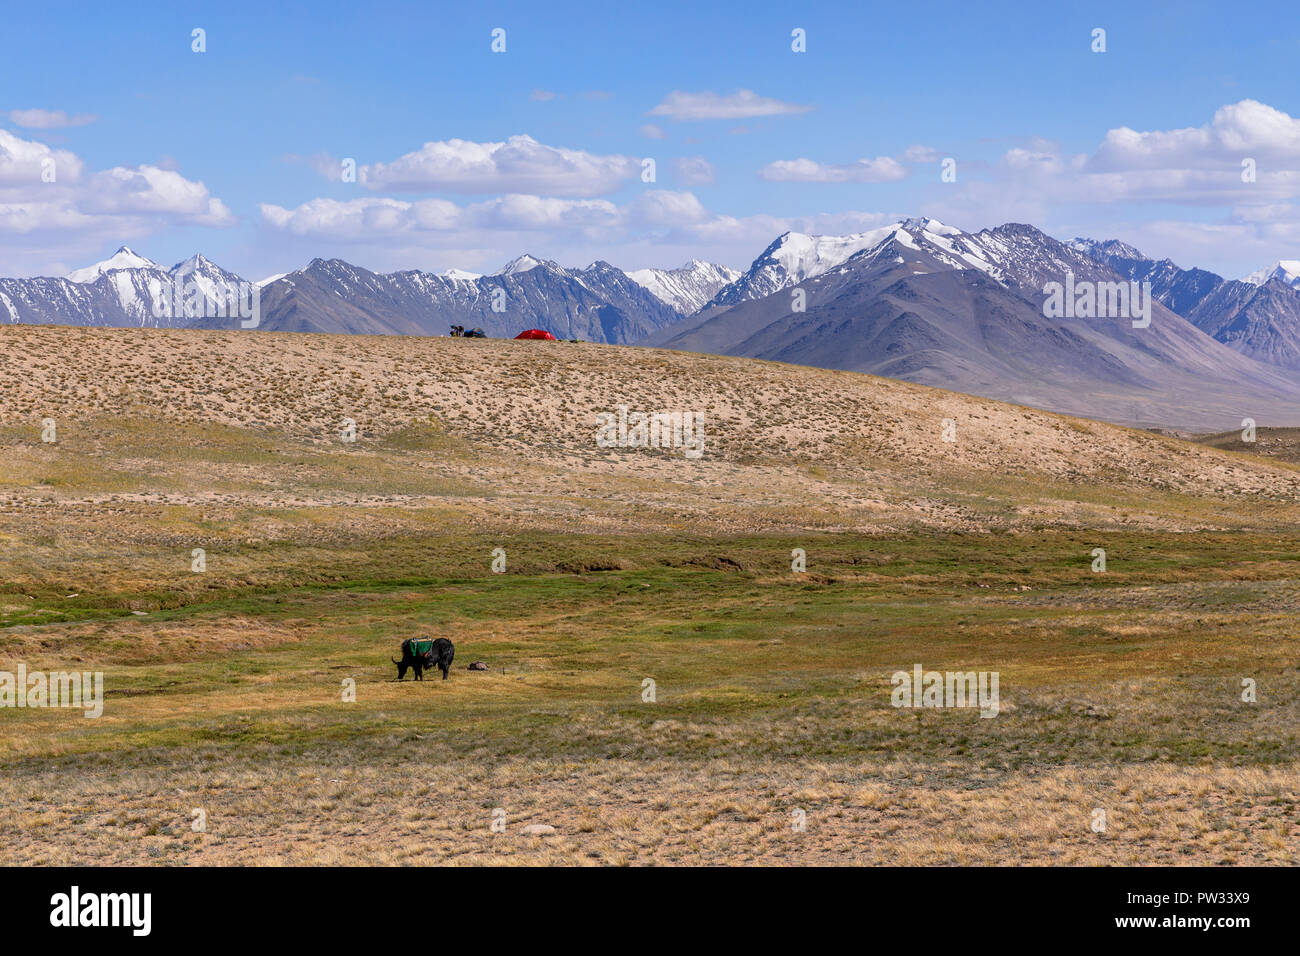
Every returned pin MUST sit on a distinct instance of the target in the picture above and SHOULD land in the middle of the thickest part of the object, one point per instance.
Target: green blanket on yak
(421, 647)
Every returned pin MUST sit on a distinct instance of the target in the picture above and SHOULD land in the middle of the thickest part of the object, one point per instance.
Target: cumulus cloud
(44, 189)
(518, 165)
(48, 119)
(1239, 172)
(680, 105)
(1245, 162)
(1245, 129)
(26, 164)
(1195, 166)
(149, 190)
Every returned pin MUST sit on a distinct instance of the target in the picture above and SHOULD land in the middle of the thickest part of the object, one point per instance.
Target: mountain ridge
(914, 299)
(935, 306)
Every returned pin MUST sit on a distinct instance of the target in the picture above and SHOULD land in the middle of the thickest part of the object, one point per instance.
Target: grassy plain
(1120, 691)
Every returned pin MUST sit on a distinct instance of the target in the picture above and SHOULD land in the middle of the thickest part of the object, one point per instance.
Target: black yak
(419, 653)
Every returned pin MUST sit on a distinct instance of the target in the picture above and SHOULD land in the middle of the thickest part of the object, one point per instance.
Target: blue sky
(236, 151)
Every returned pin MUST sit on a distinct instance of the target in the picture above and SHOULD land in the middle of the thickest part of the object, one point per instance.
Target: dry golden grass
(430, 811)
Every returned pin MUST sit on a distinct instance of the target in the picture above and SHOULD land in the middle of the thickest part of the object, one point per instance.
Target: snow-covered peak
(796, 257)
(523, 264)
(934, 226)
(460, 275)
(124, 258)
(1284, 270)
(688, 287)
(802, 256)
(197, 264)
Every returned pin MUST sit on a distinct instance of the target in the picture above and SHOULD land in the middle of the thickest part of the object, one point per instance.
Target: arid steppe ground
(1121, 690)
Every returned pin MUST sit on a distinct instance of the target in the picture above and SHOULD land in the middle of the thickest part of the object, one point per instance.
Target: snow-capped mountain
(791, 258)
(124, 258)
(124, 290)
(931, 304)
(1284, 270)
(597, 304)
(794, 257)
(916, 299)
(600, 303)
(687, 288)
(525, 263)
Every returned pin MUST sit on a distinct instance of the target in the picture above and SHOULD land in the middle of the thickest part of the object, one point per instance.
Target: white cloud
(1196, 168)
(23, 164)
(658, 227)
(356, 217)
(1232, 226)
(663, 208)
(536, 213)
(518, 165)
(48, 119)
(680, 105)
(651, 131)
(153, 191)
(109, 204)
(882, 169)
(374, 217)
(1245, 129)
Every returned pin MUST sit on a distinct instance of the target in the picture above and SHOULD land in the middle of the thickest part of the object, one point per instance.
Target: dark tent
(536, 334)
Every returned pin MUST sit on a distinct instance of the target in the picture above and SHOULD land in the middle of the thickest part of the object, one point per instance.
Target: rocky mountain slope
(931, 304)
(687, 288)
(596, 304)
(126, 290)
(1258, 316)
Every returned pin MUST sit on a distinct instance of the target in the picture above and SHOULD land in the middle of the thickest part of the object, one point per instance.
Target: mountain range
(915, 300)
(124, 290)
(928, 303)
(1257, 316)
(597, 304)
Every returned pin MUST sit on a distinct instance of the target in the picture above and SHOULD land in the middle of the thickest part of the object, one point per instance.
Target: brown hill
(504, 431)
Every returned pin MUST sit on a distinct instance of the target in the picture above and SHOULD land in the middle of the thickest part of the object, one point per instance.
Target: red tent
(536, 334)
